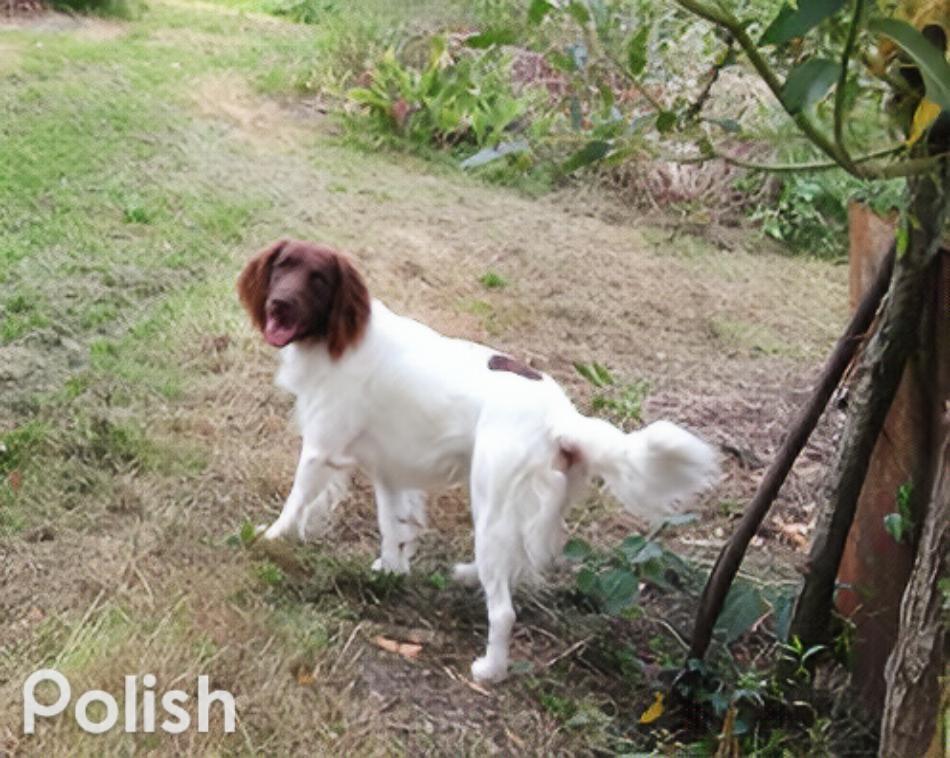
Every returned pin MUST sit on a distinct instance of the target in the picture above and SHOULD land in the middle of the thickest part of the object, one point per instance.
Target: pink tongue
(278, 334)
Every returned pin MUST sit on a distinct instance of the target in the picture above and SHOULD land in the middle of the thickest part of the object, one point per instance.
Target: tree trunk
(875, 566)
(913, 711)
(879, 373)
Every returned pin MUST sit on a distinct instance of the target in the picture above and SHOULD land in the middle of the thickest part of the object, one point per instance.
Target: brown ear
(349, 313)
(254, 281)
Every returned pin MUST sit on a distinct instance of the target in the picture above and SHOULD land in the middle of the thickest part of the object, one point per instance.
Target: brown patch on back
(506, 363)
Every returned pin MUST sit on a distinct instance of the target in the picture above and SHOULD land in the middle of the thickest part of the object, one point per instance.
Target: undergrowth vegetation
(529, 94)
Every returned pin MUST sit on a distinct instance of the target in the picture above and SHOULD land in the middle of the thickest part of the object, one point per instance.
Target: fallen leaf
(405, 649)
(305, 678)
(16, 480)
(654, 712)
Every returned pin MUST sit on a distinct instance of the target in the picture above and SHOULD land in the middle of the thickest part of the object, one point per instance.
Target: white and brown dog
(418, 411)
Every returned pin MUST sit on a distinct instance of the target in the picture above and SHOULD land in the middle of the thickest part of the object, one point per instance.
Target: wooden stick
(727, 564)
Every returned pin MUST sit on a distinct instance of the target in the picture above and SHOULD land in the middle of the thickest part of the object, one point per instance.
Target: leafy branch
(830, 146)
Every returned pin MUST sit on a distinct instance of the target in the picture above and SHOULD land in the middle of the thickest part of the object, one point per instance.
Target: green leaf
(931, 62)
(491, 37)
(579, 12)
(808, 83)
(648, 552)
(620, 589)
(538, 10)
(637, 51)
(632, 545)
(438, 580)
(743, 607)
(489, 154)
(782, 600)
(366, 96)
(590, 153)
(577, 116)
(561, 61)
(705, 147)
(896, 526)
(728, 125)
(594, 373)
(587, 581)
(794, 22)
(493, 280)
(576, 549)
(247, 533)
(602, 374)
(665, 121)
(587, 372)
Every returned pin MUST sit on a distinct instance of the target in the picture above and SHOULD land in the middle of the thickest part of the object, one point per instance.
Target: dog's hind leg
(494, 561)
(402, 516)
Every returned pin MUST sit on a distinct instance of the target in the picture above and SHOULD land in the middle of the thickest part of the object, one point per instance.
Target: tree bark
(879, 373)
(912, 709)
(912, 718)
(875, 566)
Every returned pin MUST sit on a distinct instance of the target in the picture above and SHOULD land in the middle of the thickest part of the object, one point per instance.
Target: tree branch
(697, 106)
(911, 167)
(727, 564)
(787, 167)
(729, 22)
(637, 85)
(843, 76)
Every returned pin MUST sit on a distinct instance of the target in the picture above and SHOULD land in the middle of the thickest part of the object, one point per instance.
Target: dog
(417, 411)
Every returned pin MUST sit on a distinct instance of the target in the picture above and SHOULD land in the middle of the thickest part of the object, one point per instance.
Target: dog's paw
(275, 531)
(487, 671)
(465, 574)
(385, 567)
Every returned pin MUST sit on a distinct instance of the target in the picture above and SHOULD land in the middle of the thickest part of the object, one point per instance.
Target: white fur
(418, 411)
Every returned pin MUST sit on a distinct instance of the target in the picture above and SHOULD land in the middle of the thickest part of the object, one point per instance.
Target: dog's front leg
(315, 471)
(402, 515)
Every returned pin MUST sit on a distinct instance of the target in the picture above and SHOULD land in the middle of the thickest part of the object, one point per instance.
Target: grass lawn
(141, 163)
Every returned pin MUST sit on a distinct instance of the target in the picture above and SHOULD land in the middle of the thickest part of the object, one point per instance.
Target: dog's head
(297, 290)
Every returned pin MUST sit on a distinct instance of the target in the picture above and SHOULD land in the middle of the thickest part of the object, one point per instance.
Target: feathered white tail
(653, 472)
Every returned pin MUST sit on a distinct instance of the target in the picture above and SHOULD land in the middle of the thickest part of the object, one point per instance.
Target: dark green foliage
(808, 83)
(810, 212)
(126, 9)
(610, 581)
(797, 20)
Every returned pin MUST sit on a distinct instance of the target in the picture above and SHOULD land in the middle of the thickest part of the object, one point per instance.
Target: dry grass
(139, 575)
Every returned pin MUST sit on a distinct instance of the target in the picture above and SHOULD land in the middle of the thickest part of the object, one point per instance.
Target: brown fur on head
(295, 290)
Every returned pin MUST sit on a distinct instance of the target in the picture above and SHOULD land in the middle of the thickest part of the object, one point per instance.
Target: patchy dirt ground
(124, 555)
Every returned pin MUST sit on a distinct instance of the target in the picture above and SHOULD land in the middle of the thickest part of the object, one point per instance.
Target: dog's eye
(318, 276)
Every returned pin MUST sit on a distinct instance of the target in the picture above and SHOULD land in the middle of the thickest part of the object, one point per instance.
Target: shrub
(456, 98)
(810, 213)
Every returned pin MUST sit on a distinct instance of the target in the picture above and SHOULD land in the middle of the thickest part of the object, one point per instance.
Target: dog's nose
(279, 307)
